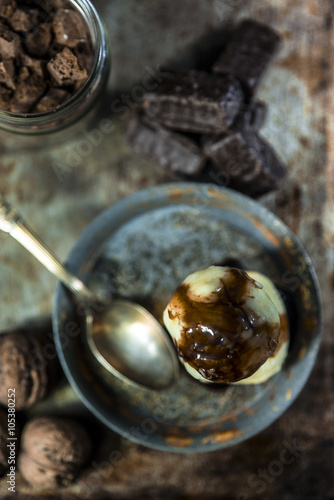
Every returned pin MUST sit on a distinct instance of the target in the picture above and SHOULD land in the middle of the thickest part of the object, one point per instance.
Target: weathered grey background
(60, 202)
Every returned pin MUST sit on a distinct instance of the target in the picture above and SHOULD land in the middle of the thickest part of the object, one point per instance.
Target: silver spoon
(123, 336)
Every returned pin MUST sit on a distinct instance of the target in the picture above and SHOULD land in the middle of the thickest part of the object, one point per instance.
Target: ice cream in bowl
(245, 337)
(228, 326)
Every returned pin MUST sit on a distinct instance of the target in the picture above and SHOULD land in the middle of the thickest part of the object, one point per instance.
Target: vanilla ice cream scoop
(224, 324)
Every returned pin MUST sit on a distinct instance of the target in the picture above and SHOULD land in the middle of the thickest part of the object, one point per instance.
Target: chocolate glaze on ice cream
(222, 335)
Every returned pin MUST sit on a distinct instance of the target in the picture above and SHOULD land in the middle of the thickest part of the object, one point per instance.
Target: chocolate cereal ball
(53, 450)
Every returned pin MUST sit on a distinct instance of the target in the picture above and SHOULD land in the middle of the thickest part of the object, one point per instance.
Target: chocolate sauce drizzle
(224, 339)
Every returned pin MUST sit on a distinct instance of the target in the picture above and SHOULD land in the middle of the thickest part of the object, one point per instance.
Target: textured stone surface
(60, 199)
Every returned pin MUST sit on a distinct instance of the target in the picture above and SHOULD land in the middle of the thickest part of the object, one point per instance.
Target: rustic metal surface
(61, 202)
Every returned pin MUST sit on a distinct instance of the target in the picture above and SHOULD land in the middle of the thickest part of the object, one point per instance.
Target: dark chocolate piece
(248, 53)
(247, 162)
(195, 102)
(173, 151)
(5, 96)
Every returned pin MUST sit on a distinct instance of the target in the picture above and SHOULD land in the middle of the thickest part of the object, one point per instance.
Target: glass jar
(22, 128)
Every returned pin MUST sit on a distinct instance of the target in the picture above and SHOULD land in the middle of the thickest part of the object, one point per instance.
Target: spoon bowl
(123, 336)
(127, 340)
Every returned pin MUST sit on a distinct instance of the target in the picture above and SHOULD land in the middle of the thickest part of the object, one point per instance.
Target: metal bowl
(141, 248)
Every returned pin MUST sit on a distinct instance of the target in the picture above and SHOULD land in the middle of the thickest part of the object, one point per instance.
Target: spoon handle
(11, 222)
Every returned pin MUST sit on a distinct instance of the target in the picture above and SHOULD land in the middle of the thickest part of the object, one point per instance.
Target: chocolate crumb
(27, 94)
(53, 450)
(218, 112)
(7, 8)
(34, 65)
(65, 69)
(6, 75)
(23, 75)
(247, 160)
(10, 44)
(21, 21)
(53, 98)
(43, 46)
(69, 28)
(38, 41)
(3, 441)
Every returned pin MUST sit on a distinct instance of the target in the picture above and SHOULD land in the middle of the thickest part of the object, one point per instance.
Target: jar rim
(45, 121)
